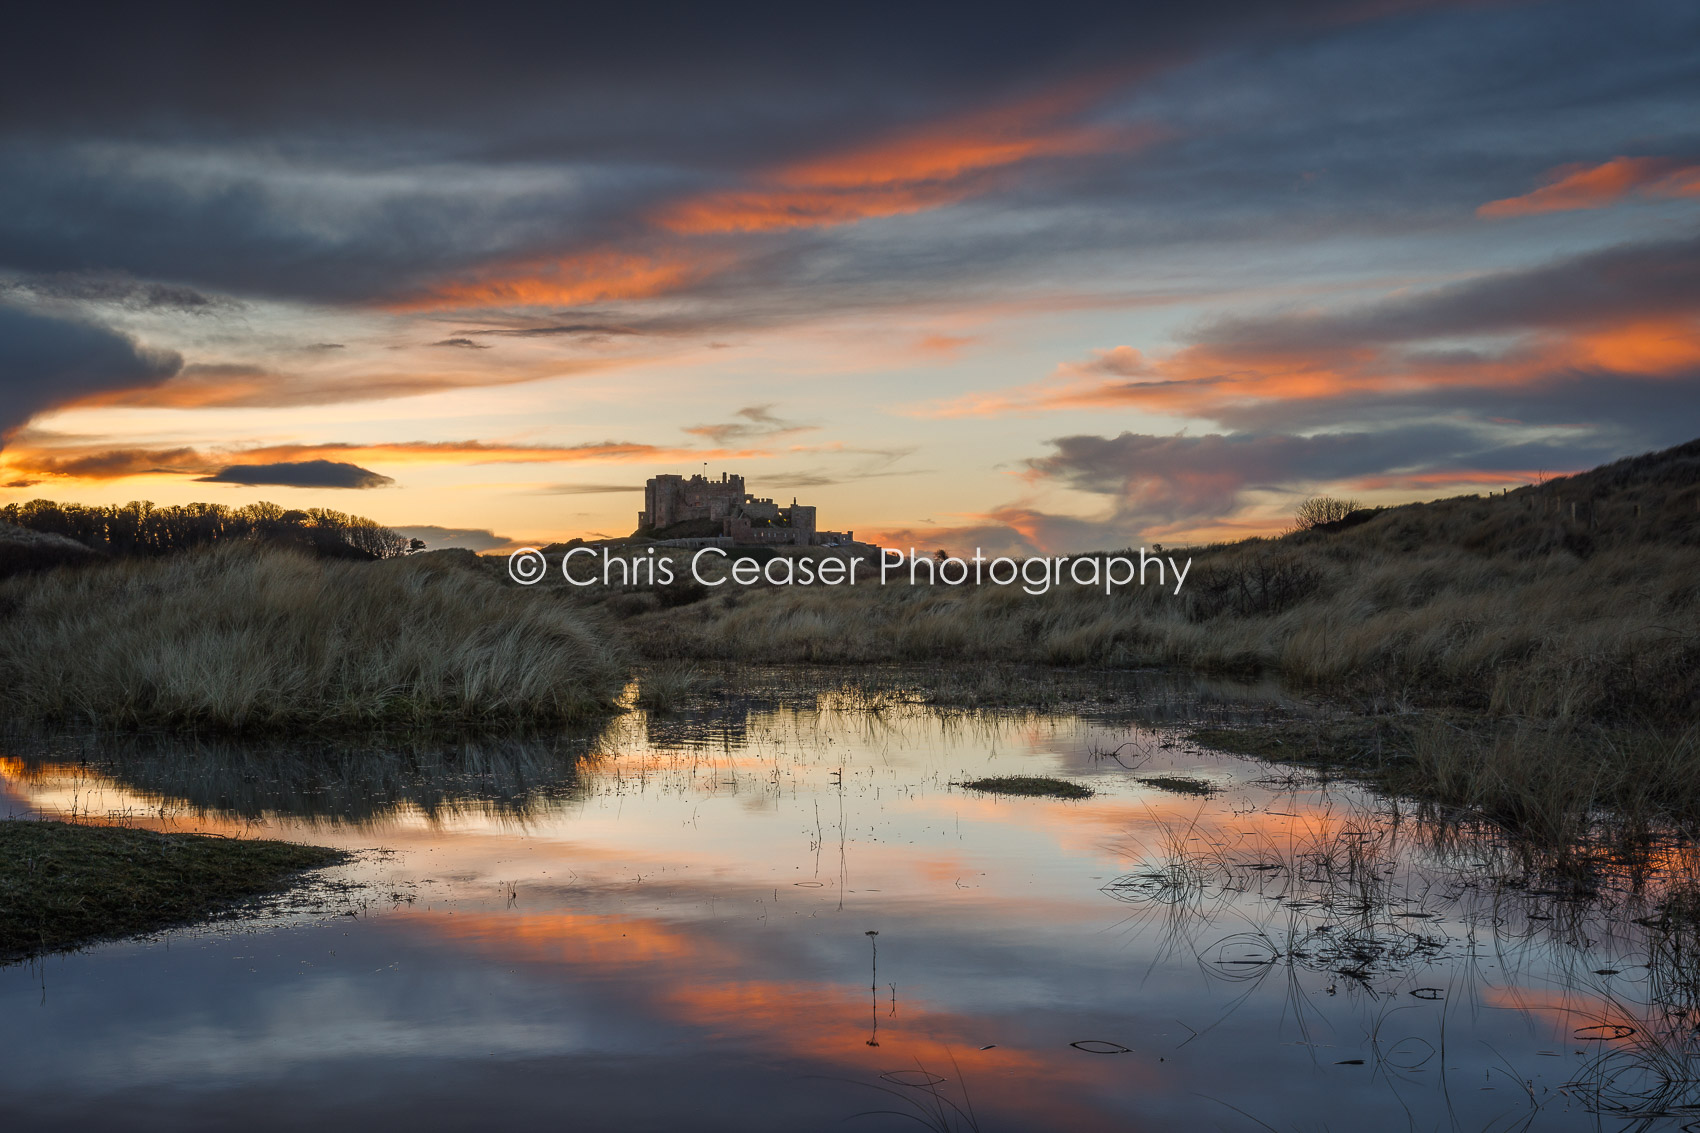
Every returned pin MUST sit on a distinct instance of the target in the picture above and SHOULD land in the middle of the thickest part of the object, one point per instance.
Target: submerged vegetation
(1180, 784)
(249, 638)
(1380, 901)
(63, 885)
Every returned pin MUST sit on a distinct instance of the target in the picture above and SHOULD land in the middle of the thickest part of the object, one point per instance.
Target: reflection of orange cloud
(1583, 186)
(695, 980)
(1566, 1008)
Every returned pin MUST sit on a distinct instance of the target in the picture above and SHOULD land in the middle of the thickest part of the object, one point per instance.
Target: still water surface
(793, 917)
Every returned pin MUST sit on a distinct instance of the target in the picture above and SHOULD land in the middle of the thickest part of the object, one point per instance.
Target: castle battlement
(699, 502)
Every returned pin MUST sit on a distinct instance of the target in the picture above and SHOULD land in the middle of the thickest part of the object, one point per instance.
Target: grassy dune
(243, 637)
(1578, 600)
(1528, 655)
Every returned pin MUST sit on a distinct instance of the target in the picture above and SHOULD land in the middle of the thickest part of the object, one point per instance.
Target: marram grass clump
(64, 885)
(248, 638)
(1037, 785)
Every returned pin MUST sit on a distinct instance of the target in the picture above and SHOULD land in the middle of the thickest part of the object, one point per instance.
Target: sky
(1057, 279)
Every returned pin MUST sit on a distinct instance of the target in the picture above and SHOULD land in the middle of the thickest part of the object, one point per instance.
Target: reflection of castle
(700, 509)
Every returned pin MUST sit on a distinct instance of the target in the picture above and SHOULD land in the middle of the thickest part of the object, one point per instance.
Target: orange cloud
(944, 344)
(905, 174)
(919, 170)
(1452, 478)
(1013, 530)
(1582, 186)
(1196, 532)
(594, 276)
(914, 171)
(95, 462)
(222, 387)
(1642, 346)
(1199, 381)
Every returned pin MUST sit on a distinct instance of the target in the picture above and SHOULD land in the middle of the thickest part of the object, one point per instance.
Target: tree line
(144, 528)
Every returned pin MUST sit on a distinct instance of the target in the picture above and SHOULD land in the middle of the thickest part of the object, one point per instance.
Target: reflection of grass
(1356, 921)
(1030, 785)
(64, 885)
(355, 781)
(927, 1099)
(1553, 783)
(1180, 784)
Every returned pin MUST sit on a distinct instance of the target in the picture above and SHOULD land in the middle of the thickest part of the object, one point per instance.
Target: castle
(702, 511)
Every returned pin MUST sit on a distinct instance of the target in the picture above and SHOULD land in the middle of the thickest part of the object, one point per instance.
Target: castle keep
(698, 509)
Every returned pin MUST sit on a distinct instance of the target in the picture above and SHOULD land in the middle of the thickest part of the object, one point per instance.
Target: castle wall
(745, 519)
(670, 499)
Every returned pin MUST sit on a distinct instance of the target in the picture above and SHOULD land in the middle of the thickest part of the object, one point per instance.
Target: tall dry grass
(245, 637)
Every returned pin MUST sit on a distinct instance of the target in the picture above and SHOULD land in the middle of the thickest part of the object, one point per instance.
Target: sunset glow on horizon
(1101, 282)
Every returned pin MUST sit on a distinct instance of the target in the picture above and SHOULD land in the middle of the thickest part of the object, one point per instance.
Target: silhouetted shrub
(143, 528)
(1320, 510)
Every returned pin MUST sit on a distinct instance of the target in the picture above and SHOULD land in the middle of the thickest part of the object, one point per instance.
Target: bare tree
(1318, 510)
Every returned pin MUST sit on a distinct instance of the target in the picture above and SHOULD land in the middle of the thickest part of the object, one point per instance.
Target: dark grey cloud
(1011, 530)
(1640, 280)
(1483, 349)
(573, 489)
(755, 422)
(251, 224)
(118, 290)
(252, 155)
(821, 478)
(1627, 413)
(561, 330)
(47, 361)
(463, 343)
(599, 70)
(1170, 479)
(439, 538)
(300, 474)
